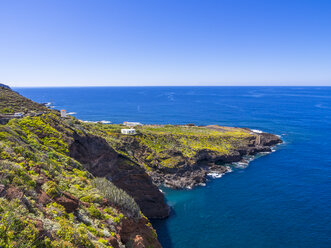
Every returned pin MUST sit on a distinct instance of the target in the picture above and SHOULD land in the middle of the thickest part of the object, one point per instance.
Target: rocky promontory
(182, 156)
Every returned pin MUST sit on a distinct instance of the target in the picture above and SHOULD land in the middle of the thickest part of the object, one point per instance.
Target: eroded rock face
(94, 153)
(138, 234)
(102, 161)
(268, 139)
(137, 183)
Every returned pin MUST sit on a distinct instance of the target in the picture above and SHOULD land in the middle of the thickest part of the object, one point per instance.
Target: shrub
(51, 189)
(94, 212)
(7, 110)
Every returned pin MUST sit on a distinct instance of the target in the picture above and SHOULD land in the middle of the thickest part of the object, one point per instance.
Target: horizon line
(127, 86)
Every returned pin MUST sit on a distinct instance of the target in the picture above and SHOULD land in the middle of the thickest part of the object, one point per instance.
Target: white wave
(256, 95)
(266, 152)
(71, 113)
(240, 165)
(248, 158)
(321, 106)
(104, 122)
(215, 174)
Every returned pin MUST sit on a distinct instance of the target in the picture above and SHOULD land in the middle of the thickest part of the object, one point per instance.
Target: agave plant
(117, 196)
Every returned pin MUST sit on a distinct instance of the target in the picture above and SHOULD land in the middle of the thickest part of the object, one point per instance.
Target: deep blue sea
(280, 200)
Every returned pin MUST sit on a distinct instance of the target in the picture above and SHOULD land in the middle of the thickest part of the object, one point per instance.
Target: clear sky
(165, 42)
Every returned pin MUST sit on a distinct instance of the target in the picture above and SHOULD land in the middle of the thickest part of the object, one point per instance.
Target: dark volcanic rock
(102, 161)
(69, 202)
(132, 233)
(268, 139)
(187, 174)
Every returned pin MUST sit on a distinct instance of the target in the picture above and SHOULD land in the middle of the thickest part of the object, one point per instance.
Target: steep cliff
(102, 161)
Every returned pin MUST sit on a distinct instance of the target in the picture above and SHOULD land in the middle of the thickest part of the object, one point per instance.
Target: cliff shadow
(161, 227)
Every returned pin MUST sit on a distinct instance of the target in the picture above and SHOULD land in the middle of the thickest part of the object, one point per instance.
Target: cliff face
(102, 161)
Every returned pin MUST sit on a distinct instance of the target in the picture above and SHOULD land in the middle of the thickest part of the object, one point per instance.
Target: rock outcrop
(137, 234)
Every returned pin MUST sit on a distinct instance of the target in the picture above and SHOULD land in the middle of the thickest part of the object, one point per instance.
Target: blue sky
(165, 42)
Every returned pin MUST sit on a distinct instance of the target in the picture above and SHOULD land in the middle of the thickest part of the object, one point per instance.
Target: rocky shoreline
(147, 169)
(207, 164)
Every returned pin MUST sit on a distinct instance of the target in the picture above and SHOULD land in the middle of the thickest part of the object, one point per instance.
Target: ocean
(280, 200)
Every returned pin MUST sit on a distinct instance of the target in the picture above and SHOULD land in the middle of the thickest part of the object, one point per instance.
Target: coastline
(214, 167)
(175, 156)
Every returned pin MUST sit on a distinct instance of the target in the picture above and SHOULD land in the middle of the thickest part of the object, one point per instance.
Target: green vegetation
(15, 229)
(34, 151)
(182, 142)
(11, 102)
(38, 179)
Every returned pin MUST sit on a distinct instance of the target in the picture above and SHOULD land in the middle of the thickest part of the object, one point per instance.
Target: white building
(19, 114)
(128, 131)
(63, 113)
(132, 124)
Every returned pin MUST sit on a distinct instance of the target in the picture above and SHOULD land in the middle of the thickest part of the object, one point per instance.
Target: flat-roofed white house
(130, 131)
(132, 124)
(19, 114)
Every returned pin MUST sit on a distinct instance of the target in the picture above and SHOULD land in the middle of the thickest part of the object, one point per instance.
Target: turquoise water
(280, 200)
